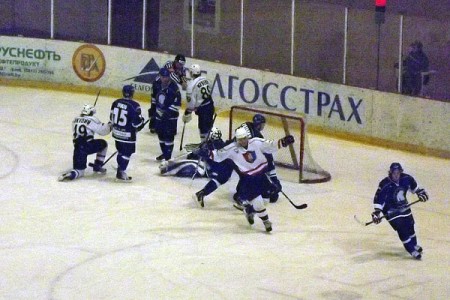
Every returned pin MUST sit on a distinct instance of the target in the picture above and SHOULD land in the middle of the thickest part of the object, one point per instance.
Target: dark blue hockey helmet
(164, 72)
(259, 119)
(128, 91)
(395, 166)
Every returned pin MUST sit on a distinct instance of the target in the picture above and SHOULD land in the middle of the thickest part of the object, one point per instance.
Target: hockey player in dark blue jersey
(390, 201)
(254, 129)
(219, 172)
(84, 127)
(178, 75)
(192, 165)
(127, 120)
(168, 102)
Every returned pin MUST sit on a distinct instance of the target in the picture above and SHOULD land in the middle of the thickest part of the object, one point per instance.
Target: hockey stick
(300, 206)
(98, 94)
(206, 141)
(364, 224)
(182, 136)
(112, 155)
(104, 163)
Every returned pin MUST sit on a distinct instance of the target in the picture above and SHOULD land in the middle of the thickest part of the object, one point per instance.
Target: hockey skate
(198, 197)
(65, 176)
(249, 214)
(237, 202)
(160, 158)
(268, 225)
(418, 249)
(99, 169)
(250, 217)
(416, 254)
(121, 176)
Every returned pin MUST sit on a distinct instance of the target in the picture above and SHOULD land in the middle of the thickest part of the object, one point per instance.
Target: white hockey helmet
(195, 69)
(88, 110)
(215, 134)
(240, 133)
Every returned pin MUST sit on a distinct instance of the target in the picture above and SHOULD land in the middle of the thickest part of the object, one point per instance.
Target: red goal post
(295, 162)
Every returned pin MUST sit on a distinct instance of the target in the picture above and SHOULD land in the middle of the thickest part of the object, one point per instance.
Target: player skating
(84, 127)
(390, 201)
(254, 129)
(251, 163)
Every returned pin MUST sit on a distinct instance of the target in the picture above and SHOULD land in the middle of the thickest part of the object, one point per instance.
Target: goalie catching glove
(202, 151)
(422, 194)
(377, 216)
(286, 141)
(187, 117)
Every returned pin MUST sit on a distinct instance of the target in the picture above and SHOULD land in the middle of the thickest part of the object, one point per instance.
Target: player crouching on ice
(390, 200)
(84, 127)
(248, 156)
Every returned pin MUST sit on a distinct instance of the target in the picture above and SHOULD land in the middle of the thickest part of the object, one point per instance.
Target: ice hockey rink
(94, 238)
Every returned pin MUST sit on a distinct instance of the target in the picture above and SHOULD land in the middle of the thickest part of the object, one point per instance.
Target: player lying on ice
(251, 163)
(193, 166)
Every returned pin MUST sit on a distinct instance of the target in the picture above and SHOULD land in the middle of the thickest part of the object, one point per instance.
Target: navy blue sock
(210, 187)
(122, 161)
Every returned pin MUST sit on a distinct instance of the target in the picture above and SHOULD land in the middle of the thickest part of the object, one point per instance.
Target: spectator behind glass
(414, 64)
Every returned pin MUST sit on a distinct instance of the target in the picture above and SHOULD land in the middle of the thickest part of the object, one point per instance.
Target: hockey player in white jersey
(248, 156)
(84, 127)
(199, 100)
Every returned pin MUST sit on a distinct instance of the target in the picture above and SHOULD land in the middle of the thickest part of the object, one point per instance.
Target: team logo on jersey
(89, 63)
(400, 195)
(249, 156)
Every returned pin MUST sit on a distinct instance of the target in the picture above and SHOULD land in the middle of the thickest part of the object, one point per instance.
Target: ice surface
(97, 239)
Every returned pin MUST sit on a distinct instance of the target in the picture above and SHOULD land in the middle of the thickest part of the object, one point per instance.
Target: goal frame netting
(298, 151)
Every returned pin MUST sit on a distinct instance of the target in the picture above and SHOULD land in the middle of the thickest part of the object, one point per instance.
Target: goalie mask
(88, 110)
(216, 134)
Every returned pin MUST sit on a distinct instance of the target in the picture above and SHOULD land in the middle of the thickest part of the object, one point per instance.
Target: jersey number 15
(119, 116)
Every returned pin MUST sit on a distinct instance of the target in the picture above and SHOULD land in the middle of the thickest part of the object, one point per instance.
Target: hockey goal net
(296, 161)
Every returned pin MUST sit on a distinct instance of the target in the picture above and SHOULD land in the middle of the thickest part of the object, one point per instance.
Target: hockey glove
(377, 216)
(139, 128)
(286, 141)
(187, 117)
(422, 194)
(202, 151)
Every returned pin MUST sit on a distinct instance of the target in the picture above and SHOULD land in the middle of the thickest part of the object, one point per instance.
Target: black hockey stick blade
(300, 206)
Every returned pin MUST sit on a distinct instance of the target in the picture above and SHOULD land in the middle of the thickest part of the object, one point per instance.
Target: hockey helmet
(216, 134)
(128, 91)
(164, 72)
(259, 119)
(180, 58)
(240, 133)
(88, 110)
(395, 166)
(195, 69)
